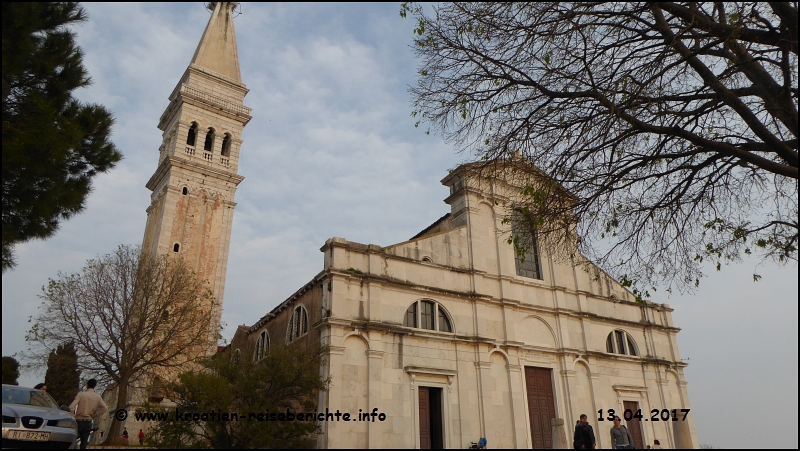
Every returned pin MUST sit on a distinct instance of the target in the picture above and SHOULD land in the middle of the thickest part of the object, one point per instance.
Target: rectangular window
(620, 341)
(527, 263)
(427, 315)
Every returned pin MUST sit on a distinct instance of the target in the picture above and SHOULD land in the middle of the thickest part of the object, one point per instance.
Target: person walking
(125, 433)
(141, 436)
(620, 437)
(584, 434)
(87, 406)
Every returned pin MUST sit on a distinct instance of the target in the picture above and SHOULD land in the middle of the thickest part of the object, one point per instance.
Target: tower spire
(217, 50)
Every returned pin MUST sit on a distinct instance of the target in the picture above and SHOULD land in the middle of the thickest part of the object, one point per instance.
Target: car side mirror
(64, 408)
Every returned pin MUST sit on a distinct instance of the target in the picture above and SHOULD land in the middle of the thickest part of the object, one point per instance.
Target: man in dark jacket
(584, 435)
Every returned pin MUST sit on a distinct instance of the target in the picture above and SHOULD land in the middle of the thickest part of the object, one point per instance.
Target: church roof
(426, 229)
(217, 50)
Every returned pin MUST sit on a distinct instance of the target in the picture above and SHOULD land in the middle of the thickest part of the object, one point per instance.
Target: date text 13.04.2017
(655, 415)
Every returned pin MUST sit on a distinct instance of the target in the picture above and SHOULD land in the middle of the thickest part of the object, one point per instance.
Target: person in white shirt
(87, 406)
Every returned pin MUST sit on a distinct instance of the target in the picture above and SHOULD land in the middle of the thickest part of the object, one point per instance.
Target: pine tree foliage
(53, 145)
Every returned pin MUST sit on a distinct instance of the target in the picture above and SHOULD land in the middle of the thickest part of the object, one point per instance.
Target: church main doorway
(431, 426)
(541, 405)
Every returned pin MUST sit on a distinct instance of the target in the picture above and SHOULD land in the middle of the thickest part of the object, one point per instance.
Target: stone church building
(455, 337)
(450, 335)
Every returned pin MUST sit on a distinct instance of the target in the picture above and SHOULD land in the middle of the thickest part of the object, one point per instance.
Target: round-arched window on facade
(427, 314)
(298, 324)
(262, 346)
(621, 342)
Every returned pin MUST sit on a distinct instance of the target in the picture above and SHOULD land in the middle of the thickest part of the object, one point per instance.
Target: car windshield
(28, 397)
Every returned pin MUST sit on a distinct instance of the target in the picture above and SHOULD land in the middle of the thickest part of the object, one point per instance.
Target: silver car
(31, 419)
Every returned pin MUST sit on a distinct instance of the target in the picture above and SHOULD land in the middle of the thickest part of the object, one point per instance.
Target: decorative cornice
(433, 371)
(166, 165)
(189, 92)
(634, 388)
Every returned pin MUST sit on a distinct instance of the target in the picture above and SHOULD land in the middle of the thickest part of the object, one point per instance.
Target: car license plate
(29, 435)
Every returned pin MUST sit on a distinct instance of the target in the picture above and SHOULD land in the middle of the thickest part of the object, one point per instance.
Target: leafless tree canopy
(130, 316)
(673, 124)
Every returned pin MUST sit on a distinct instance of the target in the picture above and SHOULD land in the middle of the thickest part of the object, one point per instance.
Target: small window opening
(426, 259)
(156, 390)
(620, 341)
(444, 322)
(176, 247)
(411, 316)
(226, 145)
(191, 137)
(631, 347)
(209, 144)
(426, 315)
(185, 191)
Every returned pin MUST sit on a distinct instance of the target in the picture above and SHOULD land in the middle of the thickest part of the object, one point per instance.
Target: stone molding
(426, 370)
(629, 388)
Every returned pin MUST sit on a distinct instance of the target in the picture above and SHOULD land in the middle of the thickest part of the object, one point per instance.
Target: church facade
(453, 336)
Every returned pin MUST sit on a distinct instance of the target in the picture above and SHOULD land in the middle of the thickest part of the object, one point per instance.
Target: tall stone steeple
(191, 207)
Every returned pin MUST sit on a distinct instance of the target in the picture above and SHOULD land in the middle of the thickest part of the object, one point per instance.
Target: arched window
(209, 144)
(621, 342)
(156, 390)
(226, 145)
(262, 346)
(298, 324)
(526, 246)
(427, 259)
(176, 247)
(428, 315)
(185, 191)
(192, 136)
(236, 356)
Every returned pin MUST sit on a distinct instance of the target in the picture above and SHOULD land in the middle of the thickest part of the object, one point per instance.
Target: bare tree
(130, 316)
(673, 125)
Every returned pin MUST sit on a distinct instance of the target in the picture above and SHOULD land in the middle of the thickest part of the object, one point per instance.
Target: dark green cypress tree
(10, 370)
(53, 145)
(63, 377)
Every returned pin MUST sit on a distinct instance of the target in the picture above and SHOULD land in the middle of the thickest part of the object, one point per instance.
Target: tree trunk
(122, 403)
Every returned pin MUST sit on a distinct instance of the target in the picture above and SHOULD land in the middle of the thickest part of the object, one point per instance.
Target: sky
(332, 151)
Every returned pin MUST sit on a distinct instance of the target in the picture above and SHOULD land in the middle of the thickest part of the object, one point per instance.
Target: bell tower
(191, 205)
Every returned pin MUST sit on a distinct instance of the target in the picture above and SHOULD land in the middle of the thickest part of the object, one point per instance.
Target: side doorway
(431, 424)
(634, 424)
